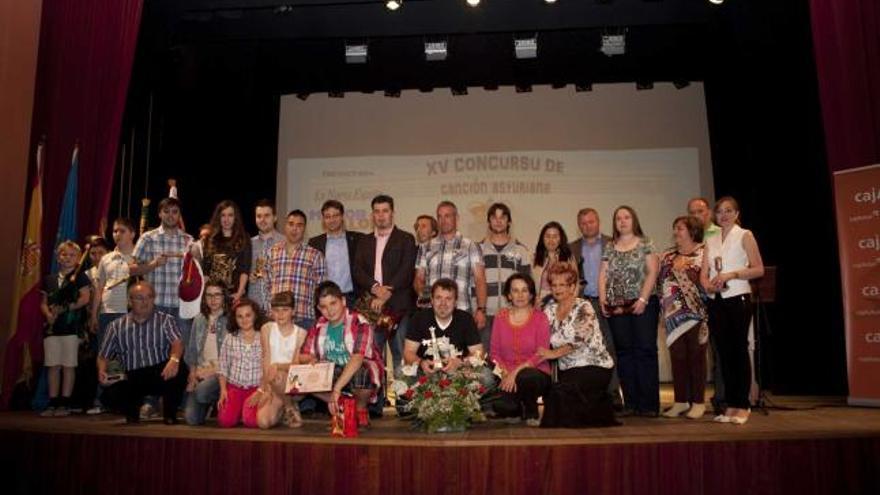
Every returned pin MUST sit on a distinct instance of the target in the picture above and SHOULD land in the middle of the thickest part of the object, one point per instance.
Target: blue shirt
(591, 254)
(338, 268)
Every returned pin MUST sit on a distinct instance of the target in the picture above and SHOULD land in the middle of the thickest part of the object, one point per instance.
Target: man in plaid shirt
(158, 258)
(296, 267)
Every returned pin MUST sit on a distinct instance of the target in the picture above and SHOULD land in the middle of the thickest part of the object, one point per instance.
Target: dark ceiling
(298, 47)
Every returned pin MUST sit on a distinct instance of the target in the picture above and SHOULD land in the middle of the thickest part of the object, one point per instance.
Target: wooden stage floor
(810, 445)
(796, 418)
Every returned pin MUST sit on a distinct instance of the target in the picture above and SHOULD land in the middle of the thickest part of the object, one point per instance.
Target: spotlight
(336, 94)
(393, 5)
(716, 2)
(436, 50)
(526, 47)
(643, 85)
(523, 88)
(459, 90)
(549, 1)
(392, 93)
(582, 87)
(473, 3)
(613, 44)
(681, 84)
(356, 53)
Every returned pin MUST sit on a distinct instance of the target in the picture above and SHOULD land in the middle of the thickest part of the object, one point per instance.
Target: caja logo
(871, 243)
(871, 291)
(872, 337)
(870, 196)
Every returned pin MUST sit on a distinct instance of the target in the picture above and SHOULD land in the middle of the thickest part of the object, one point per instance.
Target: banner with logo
(858, 233)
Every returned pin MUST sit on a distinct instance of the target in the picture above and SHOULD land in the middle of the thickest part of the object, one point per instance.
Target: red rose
(428, 394)
(423, 379)
(462, 392)
(482, 390)
(408, 394)
(445, 383)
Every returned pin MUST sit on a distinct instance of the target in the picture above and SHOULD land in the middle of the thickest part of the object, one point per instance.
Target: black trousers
(729, 322)
(579, 399)
(530, 384)
(141, 382)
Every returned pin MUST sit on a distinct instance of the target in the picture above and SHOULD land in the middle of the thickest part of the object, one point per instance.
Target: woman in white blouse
(730, 261)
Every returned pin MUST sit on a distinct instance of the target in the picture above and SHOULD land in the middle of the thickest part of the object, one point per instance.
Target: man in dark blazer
(588, 254)
(338, 246)
(391, 282)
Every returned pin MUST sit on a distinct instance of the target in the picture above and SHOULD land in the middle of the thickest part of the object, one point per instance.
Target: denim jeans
(635, 338)
(206, 393)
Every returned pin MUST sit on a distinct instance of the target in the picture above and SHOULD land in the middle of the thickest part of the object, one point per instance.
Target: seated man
(446, 321)
(148, 344)
(343, 337)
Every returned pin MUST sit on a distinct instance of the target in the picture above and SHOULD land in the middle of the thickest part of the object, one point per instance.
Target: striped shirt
(140, 345)
(514, 257)
(165, 278)
(455, 259)
(299, 272)
(258, 288)
(241, 363)
(111, 274)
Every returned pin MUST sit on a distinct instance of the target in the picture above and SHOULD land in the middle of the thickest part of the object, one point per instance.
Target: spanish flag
(25, 343)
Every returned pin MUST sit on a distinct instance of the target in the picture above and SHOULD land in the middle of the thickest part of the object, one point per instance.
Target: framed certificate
(309, 378)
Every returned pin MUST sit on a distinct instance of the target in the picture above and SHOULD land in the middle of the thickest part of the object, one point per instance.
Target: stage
(819, 446)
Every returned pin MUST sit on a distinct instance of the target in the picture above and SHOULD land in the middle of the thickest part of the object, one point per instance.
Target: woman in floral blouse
(627, 298)
(684, 314)
(580, 396)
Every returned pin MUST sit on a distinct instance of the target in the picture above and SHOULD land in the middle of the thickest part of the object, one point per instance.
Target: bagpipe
(66, 294)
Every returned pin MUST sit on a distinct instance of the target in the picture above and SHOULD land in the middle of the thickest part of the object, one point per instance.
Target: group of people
(575, 324)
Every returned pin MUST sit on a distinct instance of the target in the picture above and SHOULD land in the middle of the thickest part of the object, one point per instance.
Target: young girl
(240, 368)
(281, 340)
(65, 296)
(203, 353)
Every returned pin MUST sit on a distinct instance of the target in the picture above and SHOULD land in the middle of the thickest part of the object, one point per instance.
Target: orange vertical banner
(857, 194)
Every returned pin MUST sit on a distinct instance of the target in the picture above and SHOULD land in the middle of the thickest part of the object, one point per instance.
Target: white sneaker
(48, 412)
(676, 410)
(95, 411)
(62, 411)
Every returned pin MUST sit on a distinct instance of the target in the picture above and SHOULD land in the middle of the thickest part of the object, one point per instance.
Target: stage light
(393, 5)
(549, 1)
(644, 85)
(459, 90)
(356, 53)
(716, 2)
(613, 44)
(336, 94)
(681, 84)
(436, 50)
(392, 93)
(582, 87)
(523, 88)
(473, 3)
(526, 47)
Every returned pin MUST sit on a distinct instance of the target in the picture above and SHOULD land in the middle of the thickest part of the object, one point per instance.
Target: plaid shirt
(300, 273)
(241, 363)
(258, 286)
(140, 345)
(456, 259)
(165, 279)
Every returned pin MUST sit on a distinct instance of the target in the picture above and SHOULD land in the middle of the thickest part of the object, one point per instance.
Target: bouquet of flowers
(441, 401)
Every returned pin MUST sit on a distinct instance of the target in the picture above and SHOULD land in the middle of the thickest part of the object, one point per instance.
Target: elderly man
(148, 344)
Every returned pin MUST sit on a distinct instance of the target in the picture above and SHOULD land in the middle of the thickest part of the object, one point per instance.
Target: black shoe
(648, 414)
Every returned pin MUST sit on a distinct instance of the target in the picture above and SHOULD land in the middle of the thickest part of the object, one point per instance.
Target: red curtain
(846, 37)
(86, 54)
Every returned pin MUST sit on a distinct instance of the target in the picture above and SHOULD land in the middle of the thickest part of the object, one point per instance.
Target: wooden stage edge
(796, 418)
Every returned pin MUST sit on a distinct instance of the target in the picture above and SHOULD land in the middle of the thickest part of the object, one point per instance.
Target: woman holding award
(344, 338)
(731, 260)
(627, 298)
